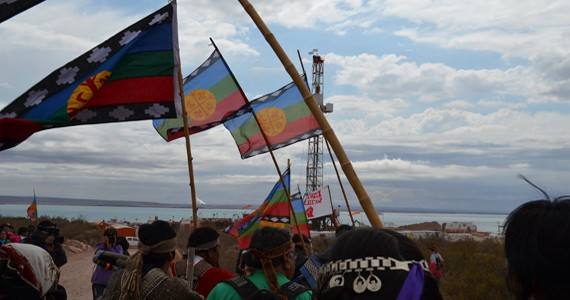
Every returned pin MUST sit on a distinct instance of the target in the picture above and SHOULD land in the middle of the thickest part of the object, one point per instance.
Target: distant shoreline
(52, 201)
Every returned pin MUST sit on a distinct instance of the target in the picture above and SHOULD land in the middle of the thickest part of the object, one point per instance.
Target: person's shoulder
(307, 295)
(181, 288)
(224, 291)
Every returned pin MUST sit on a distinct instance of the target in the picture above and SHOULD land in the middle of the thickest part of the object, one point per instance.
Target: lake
(484, 222)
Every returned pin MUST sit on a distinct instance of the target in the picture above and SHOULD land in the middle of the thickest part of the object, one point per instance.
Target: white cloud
(200, 20)
(396, 76)
(532, 30)
(458, 104)
(456, 131)
(399, 169)
(512, 28)
(349, 104)
(330, 15)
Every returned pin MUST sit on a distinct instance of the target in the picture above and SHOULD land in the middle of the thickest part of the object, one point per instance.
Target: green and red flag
(273, 212)
(32, 210)
(10, 8)
(131, 76)
(284, 117)
(211, 96)
(302, 225)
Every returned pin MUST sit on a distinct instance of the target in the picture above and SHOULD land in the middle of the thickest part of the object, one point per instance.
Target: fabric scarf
(131, 278)
(33, 264)
(413, 287)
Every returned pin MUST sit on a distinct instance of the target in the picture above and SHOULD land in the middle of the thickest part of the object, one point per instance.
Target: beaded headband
(339, 267)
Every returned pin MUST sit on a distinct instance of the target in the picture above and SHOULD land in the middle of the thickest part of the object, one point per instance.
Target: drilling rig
(314, 179)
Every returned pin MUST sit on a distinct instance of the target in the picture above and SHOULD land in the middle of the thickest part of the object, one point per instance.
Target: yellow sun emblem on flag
(85, 91)
(273, 120)
(200, 105)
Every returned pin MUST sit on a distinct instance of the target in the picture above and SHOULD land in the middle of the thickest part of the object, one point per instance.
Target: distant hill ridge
(125, 203)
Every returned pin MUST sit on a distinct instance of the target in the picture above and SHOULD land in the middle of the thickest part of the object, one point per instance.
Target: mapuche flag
(273, 212)
(32, 210)
(211, 95)
(10, 8)
(284, 117)
(131, 76)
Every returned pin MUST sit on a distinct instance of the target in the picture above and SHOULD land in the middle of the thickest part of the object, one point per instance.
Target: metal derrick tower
(314, 179)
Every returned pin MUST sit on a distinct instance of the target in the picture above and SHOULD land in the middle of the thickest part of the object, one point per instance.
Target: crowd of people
(362, 263)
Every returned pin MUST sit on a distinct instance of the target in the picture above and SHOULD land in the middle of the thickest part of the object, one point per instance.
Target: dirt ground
(76, 275)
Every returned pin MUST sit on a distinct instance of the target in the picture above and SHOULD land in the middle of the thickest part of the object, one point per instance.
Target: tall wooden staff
(340, 183)
(334, 216)
(186, 131)
(328, 132)
(188, 155)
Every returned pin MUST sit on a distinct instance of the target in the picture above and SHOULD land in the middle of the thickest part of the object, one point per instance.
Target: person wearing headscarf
(147, 275)
(375, 264)
(203, 265)
(273, 265)
(28, 272)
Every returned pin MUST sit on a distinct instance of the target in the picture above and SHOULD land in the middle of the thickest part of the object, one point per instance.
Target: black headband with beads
(337, 269)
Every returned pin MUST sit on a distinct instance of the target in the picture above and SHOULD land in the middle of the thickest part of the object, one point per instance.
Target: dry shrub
(473, 270)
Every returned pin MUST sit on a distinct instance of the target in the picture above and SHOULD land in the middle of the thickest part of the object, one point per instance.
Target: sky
(438, 104)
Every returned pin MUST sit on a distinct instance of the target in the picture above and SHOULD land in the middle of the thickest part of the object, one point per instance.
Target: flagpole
(334, 216)
(328, 132)
(35, 202)
(188, 154)
(340, 183)
(292, 209)
(265, 139)
(35, 222)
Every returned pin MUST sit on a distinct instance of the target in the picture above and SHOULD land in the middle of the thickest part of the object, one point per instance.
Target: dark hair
(151, 234)
(110, 231)
(202, 235)
(369, 242)
(124, 244)
(268, 238)
(537, 246)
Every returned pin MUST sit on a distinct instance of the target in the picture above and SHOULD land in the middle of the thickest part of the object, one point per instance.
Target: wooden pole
(188, 155)
(340, 183)
(293, 211)
(334, 218)
(328, 132)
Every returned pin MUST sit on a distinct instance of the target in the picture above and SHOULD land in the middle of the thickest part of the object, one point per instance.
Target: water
(484, 222)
